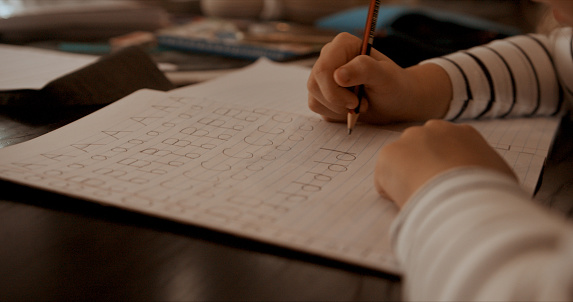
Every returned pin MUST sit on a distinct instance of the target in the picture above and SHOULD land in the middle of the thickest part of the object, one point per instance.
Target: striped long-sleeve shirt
(473, 234)
(520, 76)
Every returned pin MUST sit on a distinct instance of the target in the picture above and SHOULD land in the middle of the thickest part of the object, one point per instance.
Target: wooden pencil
(367, 41)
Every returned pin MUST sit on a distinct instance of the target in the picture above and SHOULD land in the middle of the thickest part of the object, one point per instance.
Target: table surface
(54, 247)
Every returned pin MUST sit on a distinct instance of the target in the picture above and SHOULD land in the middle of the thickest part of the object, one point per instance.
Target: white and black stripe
(468, 91)
(517, 76)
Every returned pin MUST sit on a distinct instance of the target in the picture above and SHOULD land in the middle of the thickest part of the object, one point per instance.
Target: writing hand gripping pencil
(391, 93)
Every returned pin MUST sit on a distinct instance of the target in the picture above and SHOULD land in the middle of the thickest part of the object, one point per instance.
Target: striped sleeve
(519, 76)
(472, 234)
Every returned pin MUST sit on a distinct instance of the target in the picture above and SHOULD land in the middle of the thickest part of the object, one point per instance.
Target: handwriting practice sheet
(243, 155)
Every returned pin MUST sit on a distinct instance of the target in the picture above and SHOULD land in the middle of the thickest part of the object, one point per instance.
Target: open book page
(243, 155)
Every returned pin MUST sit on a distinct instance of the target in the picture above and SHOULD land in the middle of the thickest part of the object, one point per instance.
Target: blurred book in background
(26, 20)
(245, 39)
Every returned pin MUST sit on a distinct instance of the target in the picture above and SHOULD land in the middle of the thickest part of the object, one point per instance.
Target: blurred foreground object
(27, 20)
(243, 9)
(299, 11)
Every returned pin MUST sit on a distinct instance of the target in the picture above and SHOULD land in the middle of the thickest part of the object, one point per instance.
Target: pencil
(367, 41)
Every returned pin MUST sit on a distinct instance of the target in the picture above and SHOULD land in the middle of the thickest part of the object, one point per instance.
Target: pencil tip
(349, 131)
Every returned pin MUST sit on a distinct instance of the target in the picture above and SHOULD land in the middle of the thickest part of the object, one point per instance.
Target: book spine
(241, 51)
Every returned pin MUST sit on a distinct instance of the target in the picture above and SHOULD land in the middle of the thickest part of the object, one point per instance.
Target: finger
(344, 47)
(363, 70)
(324, 89)
(321, 84)
(381, 190)
(363, 105)
(337, 110)
(385, 180)
(327, 114)
(317, 101)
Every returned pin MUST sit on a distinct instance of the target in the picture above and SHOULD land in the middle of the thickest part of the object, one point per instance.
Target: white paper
(32, 68)
(243, 155)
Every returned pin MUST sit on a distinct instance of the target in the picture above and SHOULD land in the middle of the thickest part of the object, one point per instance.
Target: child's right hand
(392, 93)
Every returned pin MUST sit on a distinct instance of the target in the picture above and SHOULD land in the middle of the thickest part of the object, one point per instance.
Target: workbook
(244, 155)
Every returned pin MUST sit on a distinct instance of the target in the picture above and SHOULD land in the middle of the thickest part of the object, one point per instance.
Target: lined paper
(243, 155)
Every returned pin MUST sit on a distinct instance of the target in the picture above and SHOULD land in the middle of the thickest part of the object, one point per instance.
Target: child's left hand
(423, 152)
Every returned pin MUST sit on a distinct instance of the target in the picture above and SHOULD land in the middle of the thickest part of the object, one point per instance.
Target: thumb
(356, 72)
(352, 75)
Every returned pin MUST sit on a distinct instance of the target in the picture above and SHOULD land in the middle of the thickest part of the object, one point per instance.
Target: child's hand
(393, 94)
(423, 152)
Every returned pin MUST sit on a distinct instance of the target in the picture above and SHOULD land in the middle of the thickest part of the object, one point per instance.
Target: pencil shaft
(370, 27)
(367, 41)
